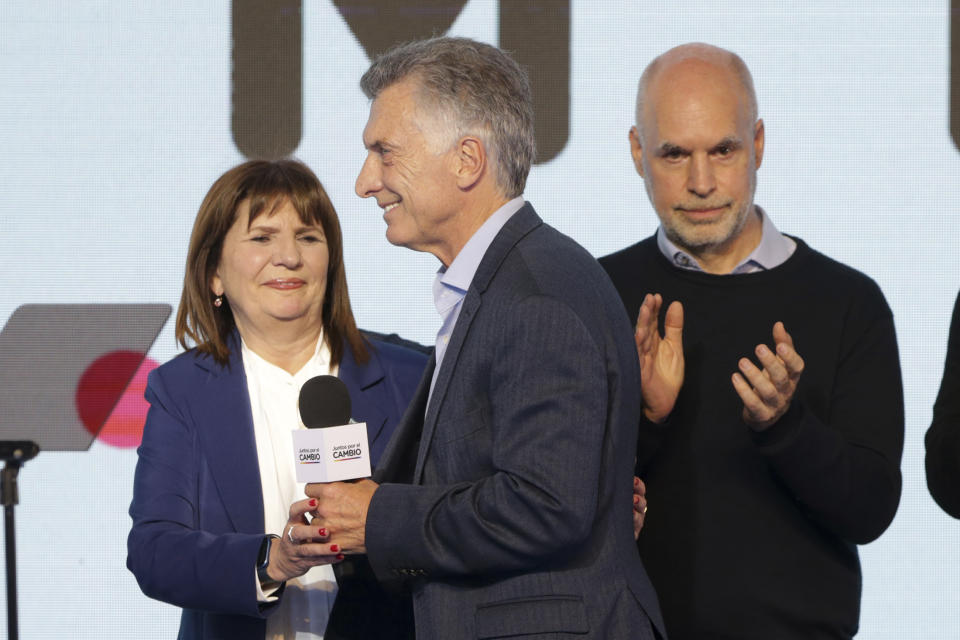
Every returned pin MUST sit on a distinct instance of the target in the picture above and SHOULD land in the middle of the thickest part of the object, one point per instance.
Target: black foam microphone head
(324, 402)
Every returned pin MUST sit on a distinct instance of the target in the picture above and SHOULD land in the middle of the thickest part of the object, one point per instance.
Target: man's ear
(758, 142)
(636, 150)
(471, 162)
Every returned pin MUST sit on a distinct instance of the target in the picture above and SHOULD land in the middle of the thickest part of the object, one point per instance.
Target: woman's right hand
(300, 546)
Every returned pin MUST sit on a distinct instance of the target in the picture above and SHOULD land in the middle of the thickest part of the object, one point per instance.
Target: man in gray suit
(503, 500)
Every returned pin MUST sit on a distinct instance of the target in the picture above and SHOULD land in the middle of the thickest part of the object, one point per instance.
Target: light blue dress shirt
(451, 283)
(773, 250)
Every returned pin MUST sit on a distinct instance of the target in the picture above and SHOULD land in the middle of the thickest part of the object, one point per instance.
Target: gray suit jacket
(506, 504)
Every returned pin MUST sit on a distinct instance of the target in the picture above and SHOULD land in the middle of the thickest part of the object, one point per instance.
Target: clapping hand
(767, 392)
(661, 358)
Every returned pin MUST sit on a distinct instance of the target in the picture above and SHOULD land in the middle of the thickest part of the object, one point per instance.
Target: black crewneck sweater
(753, 535)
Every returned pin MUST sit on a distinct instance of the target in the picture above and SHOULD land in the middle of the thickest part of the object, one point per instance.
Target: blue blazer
(506, 499)
(197, 502)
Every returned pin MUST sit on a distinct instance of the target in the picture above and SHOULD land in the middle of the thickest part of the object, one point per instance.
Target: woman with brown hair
(219, 521)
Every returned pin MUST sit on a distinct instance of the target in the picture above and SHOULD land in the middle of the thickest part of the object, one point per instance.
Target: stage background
(117, 116)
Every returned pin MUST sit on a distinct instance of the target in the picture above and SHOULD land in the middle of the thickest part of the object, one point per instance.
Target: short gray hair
(707, 53)
(476, 88)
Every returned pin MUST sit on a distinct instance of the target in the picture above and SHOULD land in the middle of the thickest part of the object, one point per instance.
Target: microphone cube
(332, 454)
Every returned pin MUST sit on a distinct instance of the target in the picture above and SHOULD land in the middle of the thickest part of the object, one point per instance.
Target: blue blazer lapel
(520, 224)
(399, 459)
(227, 439)
(366, 399)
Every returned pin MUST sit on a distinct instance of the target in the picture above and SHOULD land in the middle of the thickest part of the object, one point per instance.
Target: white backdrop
(115, 118)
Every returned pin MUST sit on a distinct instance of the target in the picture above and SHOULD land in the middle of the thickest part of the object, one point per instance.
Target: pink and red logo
(104, 397)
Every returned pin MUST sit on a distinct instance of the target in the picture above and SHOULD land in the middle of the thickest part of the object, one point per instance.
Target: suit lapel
(468, 310)
(519, 225)
(229, 446)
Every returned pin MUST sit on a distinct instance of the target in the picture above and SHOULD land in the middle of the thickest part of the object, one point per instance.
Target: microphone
(324, 402)
(333, 447)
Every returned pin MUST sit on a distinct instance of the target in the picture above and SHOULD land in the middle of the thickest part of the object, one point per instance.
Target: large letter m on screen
(267, 77)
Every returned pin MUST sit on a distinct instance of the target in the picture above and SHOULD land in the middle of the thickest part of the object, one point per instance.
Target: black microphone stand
(14, 454)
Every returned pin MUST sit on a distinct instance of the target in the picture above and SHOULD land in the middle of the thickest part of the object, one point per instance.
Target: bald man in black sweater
(773, 401)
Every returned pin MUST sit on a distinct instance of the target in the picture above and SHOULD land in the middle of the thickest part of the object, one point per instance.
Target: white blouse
(305, 607)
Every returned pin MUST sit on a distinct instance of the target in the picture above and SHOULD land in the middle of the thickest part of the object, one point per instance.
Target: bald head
(698, 144)
(696, 61)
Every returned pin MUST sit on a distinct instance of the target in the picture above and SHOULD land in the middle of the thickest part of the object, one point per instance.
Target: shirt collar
(773, 250)
(318, 364)
(460, 273)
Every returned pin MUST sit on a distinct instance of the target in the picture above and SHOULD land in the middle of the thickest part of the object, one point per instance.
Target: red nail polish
(313, 503)
(334, 548)
(340, 556)
(323, 532)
